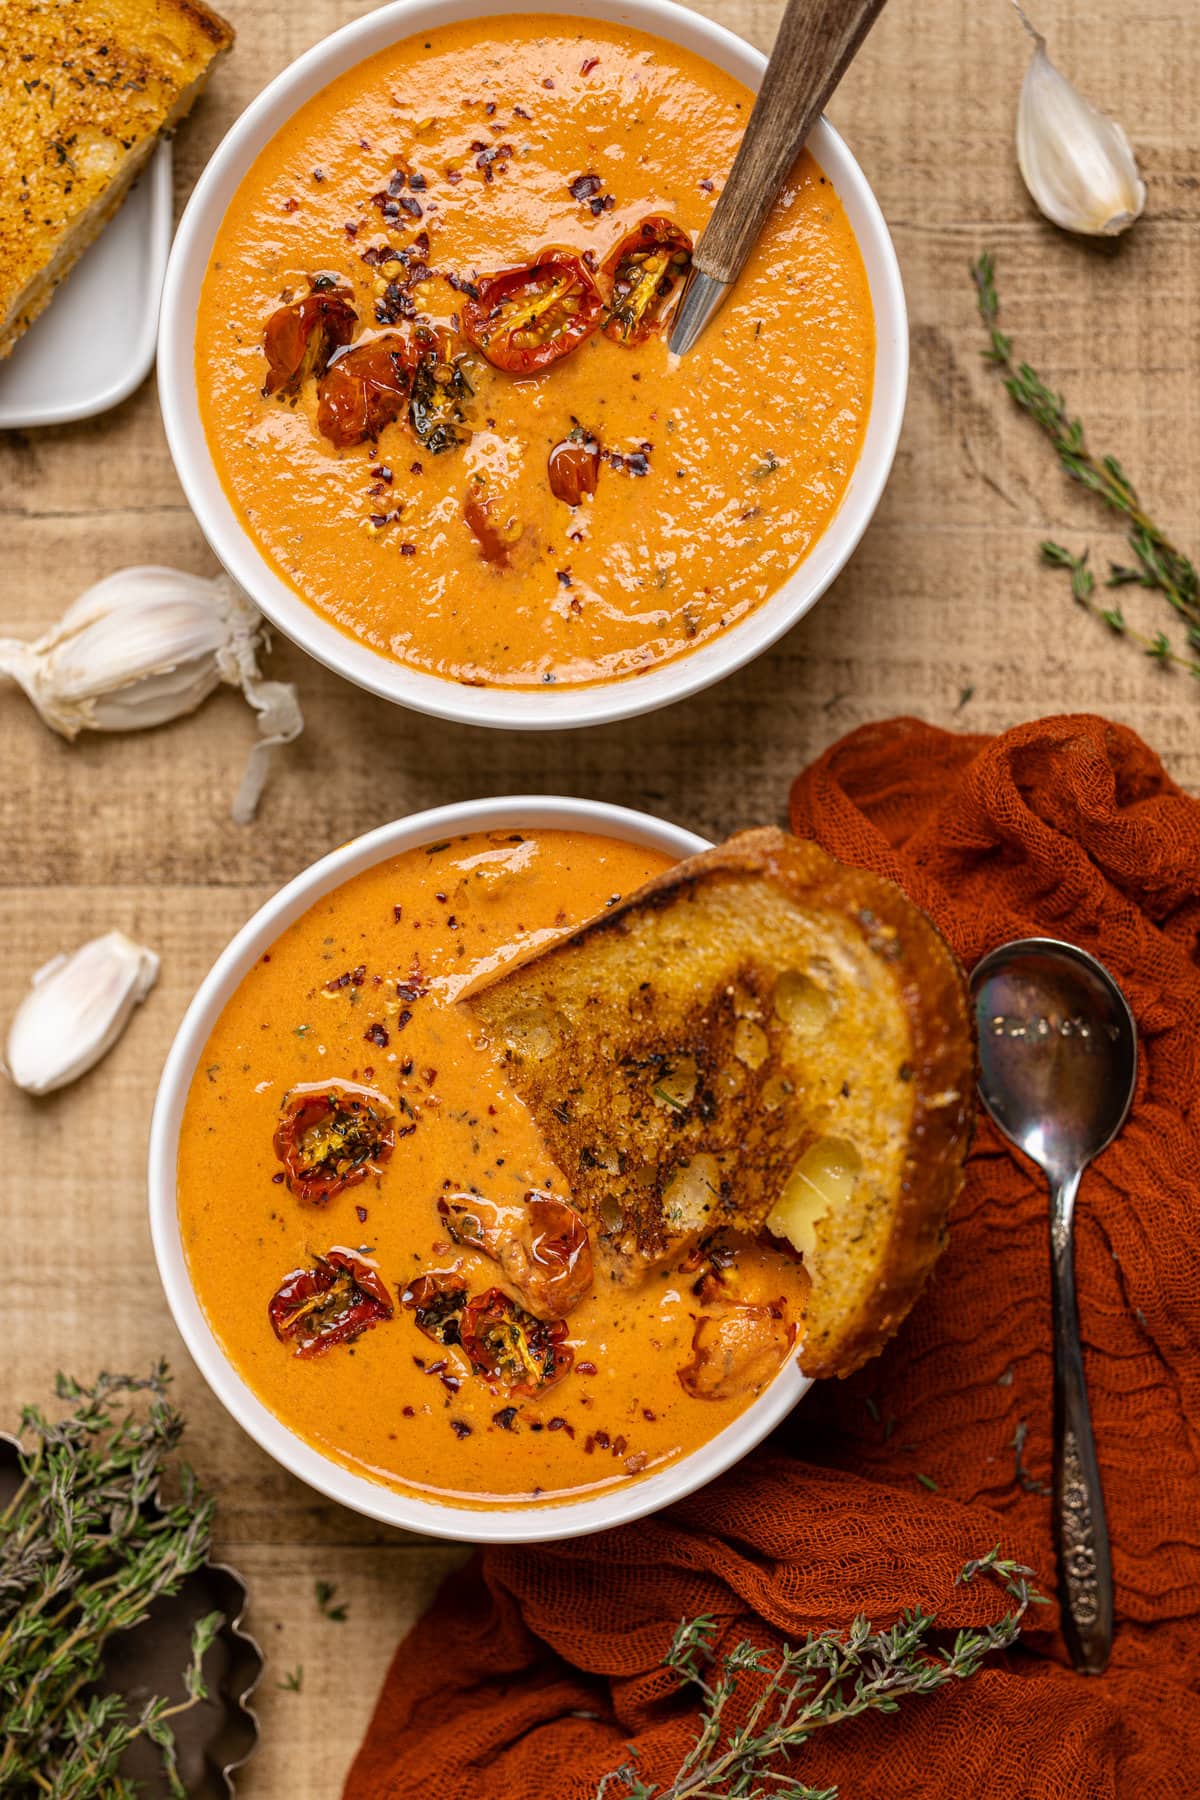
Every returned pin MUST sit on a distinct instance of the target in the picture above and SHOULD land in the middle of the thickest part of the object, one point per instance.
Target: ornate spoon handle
(1081, 1529)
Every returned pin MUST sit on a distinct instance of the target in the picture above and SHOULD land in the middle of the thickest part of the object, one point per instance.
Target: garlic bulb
(1077, 163)
(146, 645)
(75, 1010)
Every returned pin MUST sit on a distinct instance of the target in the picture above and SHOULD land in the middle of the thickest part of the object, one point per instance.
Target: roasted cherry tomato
(301, 337)
(541, 1245)
(525, 319)
(437, 1301)
(574, 467)
(646, 271)
(332, 1137)
(510, 1347)
(440, 391)
(736, 1351)
(335, 1301)
(494, 539)
(365, 389)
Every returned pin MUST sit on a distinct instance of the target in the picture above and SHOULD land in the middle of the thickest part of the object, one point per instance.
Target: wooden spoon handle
(816, 43)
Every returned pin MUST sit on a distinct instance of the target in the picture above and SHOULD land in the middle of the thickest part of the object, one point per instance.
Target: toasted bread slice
(86, 89)
(760, 1037)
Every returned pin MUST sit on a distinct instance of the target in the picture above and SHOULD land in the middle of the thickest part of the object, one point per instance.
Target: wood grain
(943, 613)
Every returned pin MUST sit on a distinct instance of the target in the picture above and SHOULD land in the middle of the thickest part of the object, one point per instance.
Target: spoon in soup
(1058, 1064)
(815, 45)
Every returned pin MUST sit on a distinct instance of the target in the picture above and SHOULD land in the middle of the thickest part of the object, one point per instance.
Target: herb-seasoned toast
(759, 1037)
(86, 89)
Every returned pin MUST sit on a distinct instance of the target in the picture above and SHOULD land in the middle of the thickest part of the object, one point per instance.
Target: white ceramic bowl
(483, 1525)
(544, 708)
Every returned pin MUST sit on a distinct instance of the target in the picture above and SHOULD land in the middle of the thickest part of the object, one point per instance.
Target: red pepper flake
(636, 1463)
(417, 181)
(588, 64)
(647, 1414)
(520, 113)
(377, 1034)
(706, 186)
(350, 229)
(619, 1446)
(490, 108)
(397, 914)
(460, 1428)
(277, 1178)
(291, 206)
(415, 469)
(382, 473)
(585, 1368)
(603, 1439)
(454, 176)
(584, 186)
(548, 82)
(408, 549)
(555, 1424)
(410, 1412)
(564, 577)
(505, 1418)
(362, 1214)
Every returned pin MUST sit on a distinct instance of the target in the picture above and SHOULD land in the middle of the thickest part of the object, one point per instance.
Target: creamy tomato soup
(378, 1237)
(432, 362)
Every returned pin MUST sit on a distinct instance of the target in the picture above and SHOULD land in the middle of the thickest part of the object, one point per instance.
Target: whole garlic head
(76, 1008)
(1076, 162)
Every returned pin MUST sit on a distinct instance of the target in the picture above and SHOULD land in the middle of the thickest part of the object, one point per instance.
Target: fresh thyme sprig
(1157, 563)
(825, 1680)
(1083, 587)
(86, 1545)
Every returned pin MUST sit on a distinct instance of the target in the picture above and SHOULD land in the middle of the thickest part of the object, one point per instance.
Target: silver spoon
(1058, 1063)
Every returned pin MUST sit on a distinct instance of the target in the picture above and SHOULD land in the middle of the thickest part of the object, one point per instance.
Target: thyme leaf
(1157, 564)
(86, 1546)
(827, 1679)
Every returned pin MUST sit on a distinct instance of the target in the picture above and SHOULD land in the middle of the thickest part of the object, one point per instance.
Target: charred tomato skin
(437, 1301)
(301, 337)
(510, 1348)
(332, 1302)
(330, 1138)
(526, 318)
(365, 389)
(645, 272)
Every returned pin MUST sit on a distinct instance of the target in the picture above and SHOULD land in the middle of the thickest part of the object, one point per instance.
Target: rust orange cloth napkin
(537, 1665)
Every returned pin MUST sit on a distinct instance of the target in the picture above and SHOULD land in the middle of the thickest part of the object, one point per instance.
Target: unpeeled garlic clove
(147, 645)
(1076, 162)
(77, 1007)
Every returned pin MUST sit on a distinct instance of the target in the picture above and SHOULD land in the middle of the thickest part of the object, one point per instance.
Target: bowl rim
(433, 1518)
(545, 708)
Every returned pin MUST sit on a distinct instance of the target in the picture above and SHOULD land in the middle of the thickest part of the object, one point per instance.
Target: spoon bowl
(1058, 1065)
(1057, 1051)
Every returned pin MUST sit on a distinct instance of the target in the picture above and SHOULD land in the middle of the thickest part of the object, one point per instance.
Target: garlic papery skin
(77, 1007)
(1077, 164)
(147, 645)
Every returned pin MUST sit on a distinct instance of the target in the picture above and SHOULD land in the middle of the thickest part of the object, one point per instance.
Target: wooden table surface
(943, 613)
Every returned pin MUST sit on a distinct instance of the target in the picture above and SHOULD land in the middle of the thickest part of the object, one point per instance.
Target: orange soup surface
(515, 482)
(397, 1322)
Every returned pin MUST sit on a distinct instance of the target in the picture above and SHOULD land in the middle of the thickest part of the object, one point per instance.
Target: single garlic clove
(77, 1007)
(1077, 164)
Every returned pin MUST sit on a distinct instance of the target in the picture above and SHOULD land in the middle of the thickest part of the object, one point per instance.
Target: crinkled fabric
(537, 1666)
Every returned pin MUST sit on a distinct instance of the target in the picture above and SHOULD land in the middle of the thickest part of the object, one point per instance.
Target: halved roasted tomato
(574, 467)
(437, 1302)
(336, 1300)
(301, 337)
(331, 1137)
(737, 1350)
(646, 271)
(441, 387)
(525, 319)
(541, 1245)
(365, 389)
(510, 1347)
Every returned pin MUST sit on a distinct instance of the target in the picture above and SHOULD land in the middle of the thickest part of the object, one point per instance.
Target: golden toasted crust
(684, 1051)
(86, 89)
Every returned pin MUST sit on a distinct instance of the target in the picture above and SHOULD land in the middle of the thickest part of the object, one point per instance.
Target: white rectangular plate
(95, 341)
